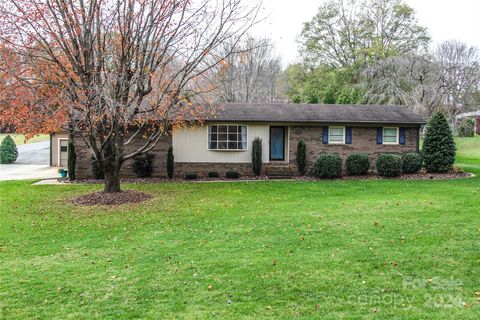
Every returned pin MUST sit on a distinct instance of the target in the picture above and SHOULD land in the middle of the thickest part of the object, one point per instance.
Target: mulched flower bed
(418, 176)
(435, 176)
(413, 176)
(111, 199)
(158, 180)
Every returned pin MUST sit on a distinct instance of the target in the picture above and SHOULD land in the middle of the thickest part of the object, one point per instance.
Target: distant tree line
(358, 52)
(375, 52)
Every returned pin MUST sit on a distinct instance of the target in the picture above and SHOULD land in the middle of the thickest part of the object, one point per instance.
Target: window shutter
(348, 135)
(401, 137)
(379, 135)
(325, 135)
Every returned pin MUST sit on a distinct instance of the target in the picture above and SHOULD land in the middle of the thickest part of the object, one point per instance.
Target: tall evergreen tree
(439, 147)
(170, 162)
(72, 160)
(257, 156)
(301, 157)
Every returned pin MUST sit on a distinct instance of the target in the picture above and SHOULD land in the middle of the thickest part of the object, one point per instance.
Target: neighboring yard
(468, 153)
(20, 138)
(281, 249)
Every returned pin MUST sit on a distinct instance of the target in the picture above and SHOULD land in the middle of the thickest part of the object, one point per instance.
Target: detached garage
(59, 149)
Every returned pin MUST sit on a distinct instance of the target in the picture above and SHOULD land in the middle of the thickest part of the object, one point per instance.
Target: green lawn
(371, 249)
(468, 153)
(20, 138)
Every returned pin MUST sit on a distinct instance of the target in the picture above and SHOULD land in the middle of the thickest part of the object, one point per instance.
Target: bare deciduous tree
(460, 67)
(449, 79)
(410, 79)
(248, 76)
(124, 64)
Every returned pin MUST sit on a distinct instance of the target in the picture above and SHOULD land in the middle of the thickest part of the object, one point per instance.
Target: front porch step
(279, 177)
(279, 171)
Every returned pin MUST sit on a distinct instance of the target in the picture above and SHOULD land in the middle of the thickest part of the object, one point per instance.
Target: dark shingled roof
(293, 112)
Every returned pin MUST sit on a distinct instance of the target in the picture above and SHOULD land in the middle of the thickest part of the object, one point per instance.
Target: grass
(468, 153)
(370, 249)
(20, 138)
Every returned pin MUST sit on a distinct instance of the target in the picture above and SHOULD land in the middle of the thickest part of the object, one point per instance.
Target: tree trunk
(112, 180)
(112, 154)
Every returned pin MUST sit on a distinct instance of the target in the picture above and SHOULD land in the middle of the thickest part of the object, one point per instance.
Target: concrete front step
(280, 177)
(280, 171)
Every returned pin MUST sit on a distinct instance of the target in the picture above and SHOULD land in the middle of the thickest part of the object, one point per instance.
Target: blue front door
(277, 143)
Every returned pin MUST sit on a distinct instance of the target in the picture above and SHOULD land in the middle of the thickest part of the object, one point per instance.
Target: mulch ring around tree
(111, 199)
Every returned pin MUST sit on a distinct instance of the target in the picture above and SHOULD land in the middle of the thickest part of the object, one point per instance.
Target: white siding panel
(191, 145)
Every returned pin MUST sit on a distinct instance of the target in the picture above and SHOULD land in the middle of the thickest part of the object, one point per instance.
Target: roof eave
(319, 121)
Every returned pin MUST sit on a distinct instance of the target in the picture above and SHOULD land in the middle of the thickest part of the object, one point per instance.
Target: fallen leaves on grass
(111, 199)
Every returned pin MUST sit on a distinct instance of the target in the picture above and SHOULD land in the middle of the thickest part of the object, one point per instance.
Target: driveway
(34, 153)
(27, 171)
(33, 163)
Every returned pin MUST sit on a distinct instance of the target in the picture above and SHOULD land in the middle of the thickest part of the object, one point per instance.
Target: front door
(277, 143)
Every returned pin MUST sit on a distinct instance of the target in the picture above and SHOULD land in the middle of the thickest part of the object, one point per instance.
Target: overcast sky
(444, 19)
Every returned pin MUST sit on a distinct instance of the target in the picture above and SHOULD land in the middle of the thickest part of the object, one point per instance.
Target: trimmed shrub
(466, 128)
(143, 165)
(8, 151)
(213, 174)
(411, 162)
(191, 176)
(357, 164)
(301, 157)
(257, 156)
(389, 165)
(438, 150)
(170, 162)
(97, 171)
(328, 165)
(72, 160)
(232, 174)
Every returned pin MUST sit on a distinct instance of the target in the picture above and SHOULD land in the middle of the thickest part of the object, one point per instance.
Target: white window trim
(59, 150)
(398, 135)
(336, 127)
(226, 124)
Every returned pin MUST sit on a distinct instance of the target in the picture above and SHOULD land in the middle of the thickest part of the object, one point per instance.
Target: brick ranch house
(223, 142)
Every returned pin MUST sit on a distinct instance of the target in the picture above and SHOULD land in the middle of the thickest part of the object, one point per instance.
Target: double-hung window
(336, 135)
(227, 137)
(390, 135)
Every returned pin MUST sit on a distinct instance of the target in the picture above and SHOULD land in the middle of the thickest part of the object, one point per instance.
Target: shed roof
(293, 112)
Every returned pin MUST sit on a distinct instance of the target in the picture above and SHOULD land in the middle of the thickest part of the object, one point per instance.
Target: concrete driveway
(34, 153)
(33, 163)
(27, 171)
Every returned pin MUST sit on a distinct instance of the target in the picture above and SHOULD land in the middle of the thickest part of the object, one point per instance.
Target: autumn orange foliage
(28, 105)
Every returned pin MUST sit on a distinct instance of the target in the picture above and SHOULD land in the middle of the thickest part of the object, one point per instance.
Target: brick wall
(364, 140)
(83, 167)
(202, 169)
